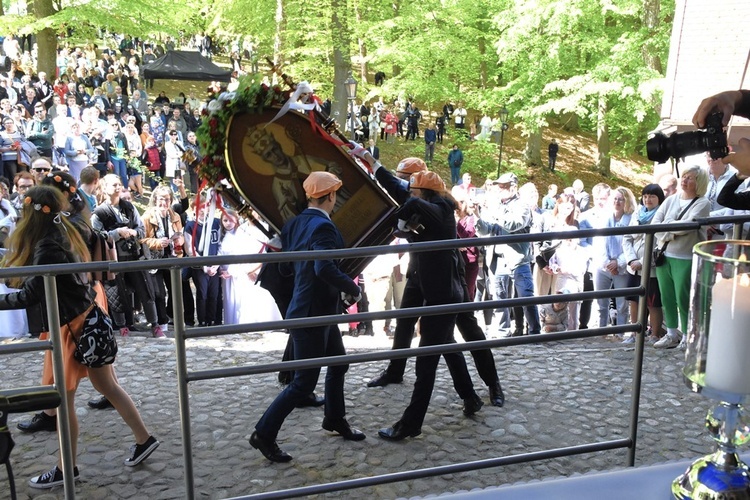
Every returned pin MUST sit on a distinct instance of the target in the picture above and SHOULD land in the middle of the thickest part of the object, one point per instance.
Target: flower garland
(251, 96)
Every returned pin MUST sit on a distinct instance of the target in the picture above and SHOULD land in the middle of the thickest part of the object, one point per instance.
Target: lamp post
(503, 128)
(351, 94)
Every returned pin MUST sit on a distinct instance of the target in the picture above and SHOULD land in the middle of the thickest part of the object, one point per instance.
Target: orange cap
(319, 184)
(411, 166)
(427, 180)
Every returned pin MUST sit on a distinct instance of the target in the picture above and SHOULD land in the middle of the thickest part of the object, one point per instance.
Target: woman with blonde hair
(45, 236)
(674, 275)
(610, 262)
(164, 239)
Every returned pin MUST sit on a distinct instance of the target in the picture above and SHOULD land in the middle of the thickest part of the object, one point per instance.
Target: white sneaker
(669, 341)
(164, 328)
(683, 343)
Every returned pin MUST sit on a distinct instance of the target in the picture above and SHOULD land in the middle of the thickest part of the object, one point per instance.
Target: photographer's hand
(740, 157)
(726, 102)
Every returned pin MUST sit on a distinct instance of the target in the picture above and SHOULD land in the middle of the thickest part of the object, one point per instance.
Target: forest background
(587, 72)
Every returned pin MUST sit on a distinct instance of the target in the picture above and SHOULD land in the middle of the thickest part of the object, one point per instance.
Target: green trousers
(674, 285)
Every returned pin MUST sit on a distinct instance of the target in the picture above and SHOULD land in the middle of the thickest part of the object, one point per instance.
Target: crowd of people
(97, 145)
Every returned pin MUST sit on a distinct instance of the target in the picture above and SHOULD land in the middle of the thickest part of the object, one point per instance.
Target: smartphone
(178, 174)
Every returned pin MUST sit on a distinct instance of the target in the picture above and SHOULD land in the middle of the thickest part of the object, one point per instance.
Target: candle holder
(718, 349)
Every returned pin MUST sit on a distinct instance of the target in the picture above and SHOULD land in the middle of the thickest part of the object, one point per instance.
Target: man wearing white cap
(318, 285)
(510, 260)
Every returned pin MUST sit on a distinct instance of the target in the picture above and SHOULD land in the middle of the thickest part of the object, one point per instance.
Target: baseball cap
(411, 165)
(319, 184)
(506, 178)
(427, 180)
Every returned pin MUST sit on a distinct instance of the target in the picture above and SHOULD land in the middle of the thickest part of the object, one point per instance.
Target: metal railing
(185, 376)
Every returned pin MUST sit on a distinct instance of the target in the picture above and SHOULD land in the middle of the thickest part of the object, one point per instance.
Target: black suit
(374, 151)
(428, 288)
(466, 322)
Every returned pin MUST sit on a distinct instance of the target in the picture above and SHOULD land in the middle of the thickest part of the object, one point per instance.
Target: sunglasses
(42, 169)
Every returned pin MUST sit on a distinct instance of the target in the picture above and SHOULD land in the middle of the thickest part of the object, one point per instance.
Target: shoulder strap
(666, 244)
(687, 207)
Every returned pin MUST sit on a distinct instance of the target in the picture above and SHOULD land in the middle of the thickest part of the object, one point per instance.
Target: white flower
(214, 106)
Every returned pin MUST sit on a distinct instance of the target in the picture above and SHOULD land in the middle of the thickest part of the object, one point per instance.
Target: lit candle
(729, 337)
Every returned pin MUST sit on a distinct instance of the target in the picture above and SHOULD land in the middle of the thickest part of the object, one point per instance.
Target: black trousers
(585, 313)
(436, 330)
(139, 283)
(467, 326)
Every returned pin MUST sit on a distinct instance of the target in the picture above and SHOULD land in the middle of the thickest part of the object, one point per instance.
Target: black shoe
(342, 427)
(141, 452)
(398, 432)
(497, 398)
(51, 479)
(312, 401)
(369, 331)
(384, 379)
(472, 404)
(516, 333)
(269, 449)
(39, 422)
(100, 404)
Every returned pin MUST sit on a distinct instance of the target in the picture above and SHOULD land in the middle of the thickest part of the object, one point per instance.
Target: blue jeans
(604, 280)
(524, 286)
(120, 167)
(455, 175)
(309, 343)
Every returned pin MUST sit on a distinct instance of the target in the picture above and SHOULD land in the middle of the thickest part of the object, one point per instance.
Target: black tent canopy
(185, 65)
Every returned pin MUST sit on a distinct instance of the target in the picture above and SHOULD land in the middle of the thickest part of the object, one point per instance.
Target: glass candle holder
(718, 351)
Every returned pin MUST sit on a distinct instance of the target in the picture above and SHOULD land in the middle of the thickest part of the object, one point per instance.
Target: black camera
(681, 144)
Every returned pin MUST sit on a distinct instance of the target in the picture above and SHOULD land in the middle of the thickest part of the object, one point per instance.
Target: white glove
(357, 150)
(349, 299)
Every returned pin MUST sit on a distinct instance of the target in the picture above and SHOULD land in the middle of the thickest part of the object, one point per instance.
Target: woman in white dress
(244, 302)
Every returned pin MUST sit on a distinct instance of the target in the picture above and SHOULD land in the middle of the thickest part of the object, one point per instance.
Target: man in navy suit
(319, 286)
(373, 149)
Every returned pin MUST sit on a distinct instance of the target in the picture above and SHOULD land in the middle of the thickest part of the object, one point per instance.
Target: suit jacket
(317, 283)
(374, 151)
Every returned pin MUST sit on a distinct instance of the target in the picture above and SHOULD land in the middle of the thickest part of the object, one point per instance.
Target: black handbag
(96, 347)
(128, 249)
(659, 257)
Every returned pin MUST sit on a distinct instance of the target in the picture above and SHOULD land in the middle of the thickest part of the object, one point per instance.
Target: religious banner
(260, 144)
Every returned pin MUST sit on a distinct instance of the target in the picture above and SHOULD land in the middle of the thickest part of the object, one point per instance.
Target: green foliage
(539, 58)
(134, 17)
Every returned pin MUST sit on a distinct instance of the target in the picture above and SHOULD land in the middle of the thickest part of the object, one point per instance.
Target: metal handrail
(185, 376)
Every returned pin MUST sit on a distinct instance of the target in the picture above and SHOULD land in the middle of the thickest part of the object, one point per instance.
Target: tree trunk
(342, 62)
(483, 63)
(396, 7)
(570, 122)
(532, 155)
(603, 159)
(361, 45)
(46, 39)
(651, 10)
(277, 38)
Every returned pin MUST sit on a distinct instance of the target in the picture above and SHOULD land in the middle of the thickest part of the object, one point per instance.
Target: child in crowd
(554, 316)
